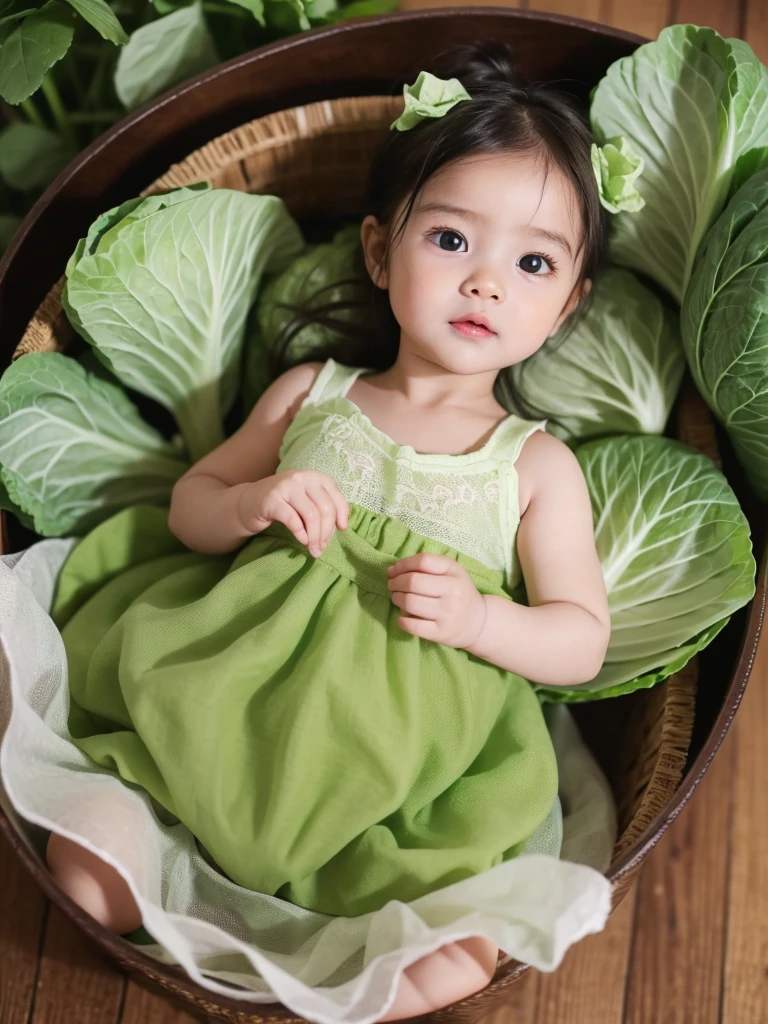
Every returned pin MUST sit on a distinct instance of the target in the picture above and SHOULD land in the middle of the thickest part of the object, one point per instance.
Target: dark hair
(502, 116)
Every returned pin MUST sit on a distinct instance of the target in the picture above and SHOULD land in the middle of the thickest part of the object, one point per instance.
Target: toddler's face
(479, 242)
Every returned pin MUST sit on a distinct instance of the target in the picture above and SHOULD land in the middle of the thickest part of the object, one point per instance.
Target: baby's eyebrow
(551, 236)
(447, 208)
(457, 211)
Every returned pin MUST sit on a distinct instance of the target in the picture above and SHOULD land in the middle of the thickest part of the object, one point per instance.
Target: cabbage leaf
(74, 449)
(676, 554)
(162, 287)
(691, 104)
(617, 371)
(725, 326)
(322, 274)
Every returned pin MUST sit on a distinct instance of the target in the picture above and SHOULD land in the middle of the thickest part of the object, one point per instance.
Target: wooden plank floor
(689, 945)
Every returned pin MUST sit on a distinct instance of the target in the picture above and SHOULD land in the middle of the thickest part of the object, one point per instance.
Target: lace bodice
(469, 501)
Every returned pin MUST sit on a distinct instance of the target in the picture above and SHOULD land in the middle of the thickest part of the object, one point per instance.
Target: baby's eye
(533, 263)
(449, 241)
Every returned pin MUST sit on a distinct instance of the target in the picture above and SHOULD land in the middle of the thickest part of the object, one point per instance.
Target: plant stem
(70, 63)
(93, 94)
(33, 114)
(51, 94)
(17, 15)
(199, 419)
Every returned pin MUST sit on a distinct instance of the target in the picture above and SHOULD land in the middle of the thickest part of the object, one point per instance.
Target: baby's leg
(451, 973)
(93, 885)
(88, 880)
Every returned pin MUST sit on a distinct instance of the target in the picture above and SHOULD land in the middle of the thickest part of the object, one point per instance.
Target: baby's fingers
(327, 512)
(310, 514)
(340, 503)
(425, 561)
(423, 583)
(286, 514)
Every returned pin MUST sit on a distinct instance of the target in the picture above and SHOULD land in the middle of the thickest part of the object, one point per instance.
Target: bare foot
(451, 973)
(93, 885)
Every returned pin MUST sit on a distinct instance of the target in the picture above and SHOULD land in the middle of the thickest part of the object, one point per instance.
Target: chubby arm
(561, 639)
(205, 510)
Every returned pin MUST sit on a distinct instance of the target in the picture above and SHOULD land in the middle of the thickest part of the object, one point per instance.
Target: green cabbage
(162, 286)
(725, 326)
(617, 167)
(691, 104)
(74, 449)
(322, 274)
(617, 371)
(675, 550)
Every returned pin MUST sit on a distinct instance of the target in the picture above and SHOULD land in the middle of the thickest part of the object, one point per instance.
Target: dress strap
(333, 381)
(510, 439)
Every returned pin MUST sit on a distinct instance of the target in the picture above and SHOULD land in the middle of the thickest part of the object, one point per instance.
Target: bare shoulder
(546, 462)
(285, 395)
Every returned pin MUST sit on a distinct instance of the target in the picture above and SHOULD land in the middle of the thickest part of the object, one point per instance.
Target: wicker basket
(302, 155)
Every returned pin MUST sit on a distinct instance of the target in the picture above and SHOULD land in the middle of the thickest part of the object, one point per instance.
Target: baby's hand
(442, 602)
(309, 503)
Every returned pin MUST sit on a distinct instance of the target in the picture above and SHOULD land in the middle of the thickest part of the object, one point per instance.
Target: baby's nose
(485, 285)
(487, 291)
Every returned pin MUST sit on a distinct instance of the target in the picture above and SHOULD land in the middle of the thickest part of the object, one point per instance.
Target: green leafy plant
(30, 156)
(162, 53)
(725, 325)
(68, 70)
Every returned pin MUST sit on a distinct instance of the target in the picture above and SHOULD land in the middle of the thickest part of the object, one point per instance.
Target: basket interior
(316, 157)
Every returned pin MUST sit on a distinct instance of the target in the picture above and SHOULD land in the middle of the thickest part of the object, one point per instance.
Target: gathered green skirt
(272, 703)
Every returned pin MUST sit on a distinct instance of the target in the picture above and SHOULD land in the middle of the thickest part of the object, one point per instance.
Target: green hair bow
(429, 97)
(617, 166)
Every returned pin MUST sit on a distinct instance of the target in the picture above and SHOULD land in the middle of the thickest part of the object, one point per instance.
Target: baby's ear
(374, 240)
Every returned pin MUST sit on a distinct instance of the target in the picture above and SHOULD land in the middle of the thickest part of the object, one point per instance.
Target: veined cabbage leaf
(617, 371)
(691, 103)
(73, 447)
(162, 287)
(676, 554)
(725, 326)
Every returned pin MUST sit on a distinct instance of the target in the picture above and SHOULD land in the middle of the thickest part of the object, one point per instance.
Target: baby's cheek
(424, 300)
(409, 304)
(533, 329)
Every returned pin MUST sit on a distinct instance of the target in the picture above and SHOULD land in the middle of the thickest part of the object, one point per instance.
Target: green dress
(270, 700)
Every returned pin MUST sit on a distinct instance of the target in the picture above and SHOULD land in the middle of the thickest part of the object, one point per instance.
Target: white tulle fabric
(245, 944)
